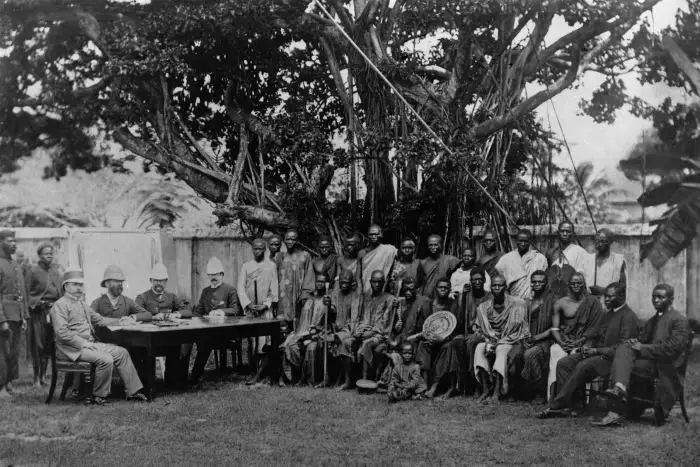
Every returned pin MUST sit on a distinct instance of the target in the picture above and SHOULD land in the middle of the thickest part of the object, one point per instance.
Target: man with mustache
(217, 299)
(164, 306)
(115, 305)
(13, 312)
(74, 326)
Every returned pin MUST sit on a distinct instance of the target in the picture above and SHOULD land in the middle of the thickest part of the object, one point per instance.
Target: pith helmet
(73, 275)
(214, 266)
(159, 272)
(113, 273)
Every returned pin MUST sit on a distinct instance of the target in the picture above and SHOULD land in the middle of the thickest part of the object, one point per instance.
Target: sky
(605, 145)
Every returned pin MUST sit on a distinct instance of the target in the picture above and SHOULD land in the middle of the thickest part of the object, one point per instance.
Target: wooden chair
(70, 369)
(642, 394)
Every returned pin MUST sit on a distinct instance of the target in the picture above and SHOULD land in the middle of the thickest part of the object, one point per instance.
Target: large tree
(241, 99)
(672, 153)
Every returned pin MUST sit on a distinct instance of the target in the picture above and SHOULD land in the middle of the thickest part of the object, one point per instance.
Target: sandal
(554, 413)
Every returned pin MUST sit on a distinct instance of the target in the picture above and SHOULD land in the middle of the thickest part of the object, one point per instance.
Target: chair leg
(89, 379)
(52, 388)
(250, 353)
(67, 381)
(216, 358)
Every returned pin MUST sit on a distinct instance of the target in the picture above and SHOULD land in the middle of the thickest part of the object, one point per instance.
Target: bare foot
(431, 392)
(346, 386)
(494, 398)
(8, 387)
(320, 385)
(281, 383)
(37, 385)
(4, 394)
(449, 394)
(484, 398)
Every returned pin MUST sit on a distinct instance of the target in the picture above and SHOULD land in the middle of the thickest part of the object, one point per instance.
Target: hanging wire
(414, 112)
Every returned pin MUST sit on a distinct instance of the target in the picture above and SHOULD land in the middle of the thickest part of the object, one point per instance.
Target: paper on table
(115, 328)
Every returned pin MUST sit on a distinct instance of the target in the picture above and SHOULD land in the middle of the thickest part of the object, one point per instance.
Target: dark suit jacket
(664, 340)
(224, 297)
(168, 302)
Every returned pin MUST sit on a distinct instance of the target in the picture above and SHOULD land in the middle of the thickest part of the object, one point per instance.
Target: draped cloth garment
(400, 271)
(577, 258)
(379, 259)
(517, 270)
(579, 329)
(377, 316)
(442, 267)
(348, 307)
(312, 314)
(503, 329)
(296, 282)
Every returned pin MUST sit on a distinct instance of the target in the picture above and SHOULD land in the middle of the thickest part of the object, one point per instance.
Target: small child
(406, 382)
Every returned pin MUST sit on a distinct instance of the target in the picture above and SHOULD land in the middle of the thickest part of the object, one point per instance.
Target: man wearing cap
(44, 288)
(74, 327)
(164, 305)
(217, 299)
(115, 305)
(13, 312)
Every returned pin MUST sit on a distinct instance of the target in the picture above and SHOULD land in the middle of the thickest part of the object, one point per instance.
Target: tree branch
(235, 185)
(196, 145)
(683, 62)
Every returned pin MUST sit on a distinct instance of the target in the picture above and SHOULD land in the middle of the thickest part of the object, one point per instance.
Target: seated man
(348, 305)
(530, 358)
(115, 305)
(405, 381)
(164, 306)
(617, 326)
(658, 353)
(375, 322)
(217, 299)
(411, 312)
(470, 301)
(73, 323)
(441, 358)
(301, 344)
(574, 324)
(502, 321)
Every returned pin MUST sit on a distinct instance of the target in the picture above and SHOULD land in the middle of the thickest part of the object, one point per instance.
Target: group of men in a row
(525, 321)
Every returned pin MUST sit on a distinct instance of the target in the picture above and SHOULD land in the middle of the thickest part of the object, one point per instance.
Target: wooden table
(156, 339)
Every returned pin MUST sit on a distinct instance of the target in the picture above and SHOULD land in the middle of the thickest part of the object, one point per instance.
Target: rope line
(414, 112)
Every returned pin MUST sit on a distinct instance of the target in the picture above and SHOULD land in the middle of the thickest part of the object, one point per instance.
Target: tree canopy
(246, 100)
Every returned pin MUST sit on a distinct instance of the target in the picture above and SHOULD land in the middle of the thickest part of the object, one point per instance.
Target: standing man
(436, 266)
(502, 322)
(376, 257)
(517, 266)
(257, 286)
(658, 351)
(296, 278)
(375, 322)
(115, 305)
(73, 323)
(405, 265)
(163, 306)
(617, 326)
(491, 254)
(350, 261)
(460, 278)
(218, 299)
(327, 262)
(569, 253)
(608, 267)
(44, 286)
(13, 312)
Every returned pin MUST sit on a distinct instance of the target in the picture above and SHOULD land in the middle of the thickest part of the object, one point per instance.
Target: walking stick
(325, 344)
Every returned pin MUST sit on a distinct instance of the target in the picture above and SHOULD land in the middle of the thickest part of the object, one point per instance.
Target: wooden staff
(255, 285)
(325, 344)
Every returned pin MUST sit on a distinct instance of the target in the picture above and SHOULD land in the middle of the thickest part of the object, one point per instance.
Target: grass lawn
(228, 423)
